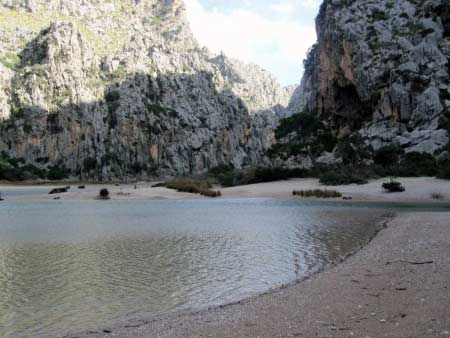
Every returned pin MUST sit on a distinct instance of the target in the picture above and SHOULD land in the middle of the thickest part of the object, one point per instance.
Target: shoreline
(382, 225)
(418, 190)
(321, 296)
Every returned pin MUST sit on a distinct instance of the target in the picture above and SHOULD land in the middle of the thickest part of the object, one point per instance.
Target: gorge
(122, 90)
(152, 188)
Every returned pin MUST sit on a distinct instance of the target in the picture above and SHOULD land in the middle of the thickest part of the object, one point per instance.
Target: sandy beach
(418, 190)
(396, 286)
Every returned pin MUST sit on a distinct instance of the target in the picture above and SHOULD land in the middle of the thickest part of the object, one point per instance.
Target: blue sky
(274, 34)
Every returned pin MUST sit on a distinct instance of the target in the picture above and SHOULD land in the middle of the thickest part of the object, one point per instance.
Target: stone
(409, 66)
(426, 141)
(428, 107)
(327, 159)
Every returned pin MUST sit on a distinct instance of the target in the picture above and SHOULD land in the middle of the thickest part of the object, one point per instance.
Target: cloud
(293, 6)
(311, 3)
(283, 7)
(278, 44)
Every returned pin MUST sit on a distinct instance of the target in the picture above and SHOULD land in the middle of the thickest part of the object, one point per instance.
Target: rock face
(381, 68)
(260, 92)
(125, 91)
(5, 84)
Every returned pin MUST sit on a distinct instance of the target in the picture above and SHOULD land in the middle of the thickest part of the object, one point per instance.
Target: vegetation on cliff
(228, 176)
(12, 169)
(354, 160)
(302, 134)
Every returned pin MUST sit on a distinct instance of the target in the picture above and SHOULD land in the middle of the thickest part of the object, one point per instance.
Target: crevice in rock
(348, 108)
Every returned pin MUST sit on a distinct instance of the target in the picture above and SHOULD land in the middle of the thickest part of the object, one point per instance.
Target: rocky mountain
(380, 71)
(111, 89)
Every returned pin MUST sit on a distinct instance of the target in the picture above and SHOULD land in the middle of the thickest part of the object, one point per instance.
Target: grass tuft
(437, 196)
(317, 193)
(193, 186)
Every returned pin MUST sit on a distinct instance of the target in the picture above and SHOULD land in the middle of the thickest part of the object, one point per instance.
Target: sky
(275, 34)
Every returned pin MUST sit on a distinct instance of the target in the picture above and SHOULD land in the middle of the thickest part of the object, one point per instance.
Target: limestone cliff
(380, 68)
(121, 89)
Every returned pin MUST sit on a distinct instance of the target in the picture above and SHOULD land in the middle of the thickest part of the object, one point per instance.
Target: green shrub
(417, 164)
(227, 176)
(112, 99)
(27, 128)
(404, 15)
(353, 151)
(270, 174)
(12, 174)
(309, 136)
(306, 123)
(103, 194)
(393, 186)
(393, 162)
(443, 170)
(220, 169)
(33, 172)
(327, 140)
(56, 173)
(379, 15)
(388, 156)
(444, 122)
(224, 174)
(13, 169)
(317, 193)
(344, 176)
(90, 163)
(10, 60)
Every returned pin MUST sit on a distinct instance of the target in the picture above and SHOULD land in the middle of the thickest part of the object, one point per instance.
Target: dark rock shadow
(173, 124)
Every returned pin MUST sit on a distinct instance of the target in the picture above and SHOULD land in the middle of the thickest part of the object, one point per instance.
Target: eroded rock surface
(381, 68)
(121, 89)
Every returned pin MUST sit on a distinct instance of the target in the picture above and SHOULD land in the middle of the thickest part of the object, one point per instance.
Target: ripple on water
(86, 264)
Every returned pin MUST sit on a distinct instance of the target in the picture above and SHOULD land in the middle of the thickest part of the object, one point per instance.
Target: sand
(417, 190)
(397, 286)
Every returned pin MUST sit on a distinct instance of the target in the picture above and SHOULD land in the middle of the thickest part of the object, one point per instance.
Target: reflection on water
(78, 265)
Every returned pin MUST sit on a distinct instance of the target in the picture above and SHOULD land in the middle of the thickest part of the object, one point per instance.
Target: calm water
(71, 266)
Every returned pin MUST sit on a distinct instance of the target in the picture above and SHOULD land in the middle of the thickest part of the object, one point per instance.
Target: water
(72, 266)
